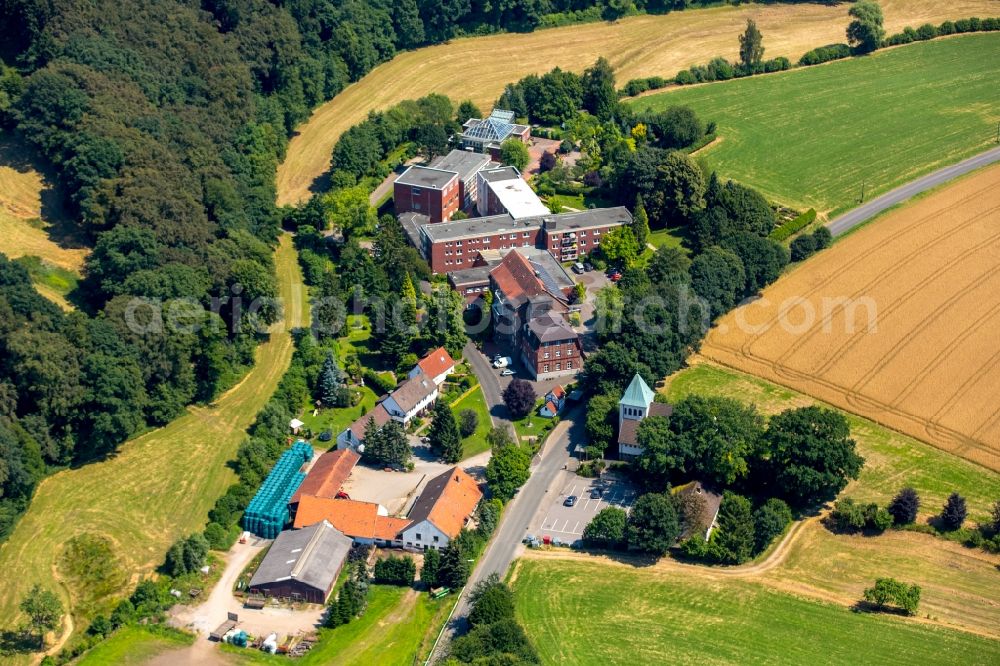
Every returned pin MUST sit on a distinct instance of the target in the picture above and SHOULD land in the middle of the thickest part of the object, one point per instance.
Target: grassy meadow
(813, 137)
(476, 401)
(587, 612)
(158, 487)
(135, 645)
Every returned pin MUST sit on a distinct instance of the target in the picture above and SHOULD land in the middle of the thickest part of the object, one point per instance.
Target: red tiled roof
(437, 362)
(660, 409)
(327, 474)
(516, 278)
(558, 391)
(551, 406)
(379, 414)
(629, 432)
(388, 528)
(353, 518)
(447, 501)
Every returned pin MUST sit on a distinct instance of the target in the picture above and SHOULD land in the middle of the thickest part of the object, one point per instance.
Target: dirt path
(752, 570)
(210, 613)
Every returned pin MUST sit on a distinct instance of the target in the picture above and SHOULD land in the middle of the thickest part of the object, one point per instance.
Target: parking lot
(566, 523)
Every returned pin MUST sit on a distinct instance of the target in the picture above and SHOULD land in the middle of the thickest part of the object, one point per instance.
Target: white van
(502, 362)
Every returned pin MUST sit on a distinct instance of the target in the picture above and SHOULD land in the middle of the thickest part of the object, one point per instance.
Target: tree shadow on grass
(863, 606)
(17, 642)
(61, 228)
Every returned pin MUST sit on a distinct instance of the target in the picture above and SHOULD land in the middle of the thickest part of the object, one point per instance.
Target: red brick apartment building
(427, 191)
(447, 185)
(453, 246)
(551, 348)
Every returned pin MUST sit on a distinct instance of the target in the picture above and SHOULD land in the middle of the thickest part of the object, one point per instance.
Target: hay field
(158, 487)
(22, 228)
(581, 609)
(919, 351)
(478, 68)
(812, 137)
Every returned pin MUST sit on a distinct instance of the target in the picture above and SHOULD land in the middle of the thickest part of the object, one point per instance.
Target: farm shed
(302, 564)
(267, 512)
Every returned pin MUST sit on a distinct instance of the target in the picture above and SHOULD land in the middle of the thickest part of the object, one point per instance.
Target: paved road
(506, 542)
(863, 213)
(490, 382)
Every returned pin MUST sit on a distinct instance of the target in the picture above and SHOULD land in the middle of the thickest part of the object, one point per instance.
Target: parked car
(578, 268)
(596, 493)
(570, 501)
(506, 372)
(502, 362)
(587, 266)
(615, 276)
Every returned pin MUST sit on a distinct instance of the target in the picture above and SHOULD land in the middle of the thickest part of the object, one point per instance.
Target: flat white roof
(518, 198)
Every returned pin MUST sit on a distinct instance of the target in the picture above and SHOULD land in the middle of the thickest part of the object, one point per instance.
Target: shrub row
(825, 54)
(786, 230)
(720, 69)
(850, 516)
(379, 383)
(637, 86)
(395, 570)
(928, 31)
(807, 245)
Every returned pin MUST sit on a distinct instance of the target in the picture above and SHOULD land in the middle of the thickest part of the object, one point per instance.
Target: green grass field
(476, 442)
(813, 136)
(135, 645)
(399, 624)
(579, 612)
(336, 419)
(892, 459)
(157, 488)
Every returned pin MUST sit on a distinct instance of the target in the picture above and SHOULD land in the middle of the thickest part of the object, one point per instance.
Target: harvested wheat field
(479, 67)
(917, 347)
(22, 227)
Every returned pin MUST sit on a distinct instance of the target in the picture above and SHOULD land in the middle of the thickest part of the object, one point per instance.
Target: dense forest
(164, 122)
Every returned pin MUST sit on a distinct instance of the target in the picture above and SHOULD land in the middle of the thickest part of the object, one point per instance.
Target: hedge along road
(479, 67)
(158, 487)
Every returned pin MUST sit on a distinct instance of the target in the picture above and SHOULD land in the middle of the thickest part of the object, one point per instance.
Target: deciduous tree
(491, 600)
(468, 421)
(865, 32)
(769, 520)
(519, 396)
(515, 153)
(509, 467)
(751, 46)
(607, 529)
(811, 454)
(599, 94)
(44, 611)
(652, 524)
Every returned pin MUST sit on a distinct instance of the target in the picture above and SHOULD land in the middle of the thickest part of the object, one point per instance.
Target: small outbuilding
(302, 565)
